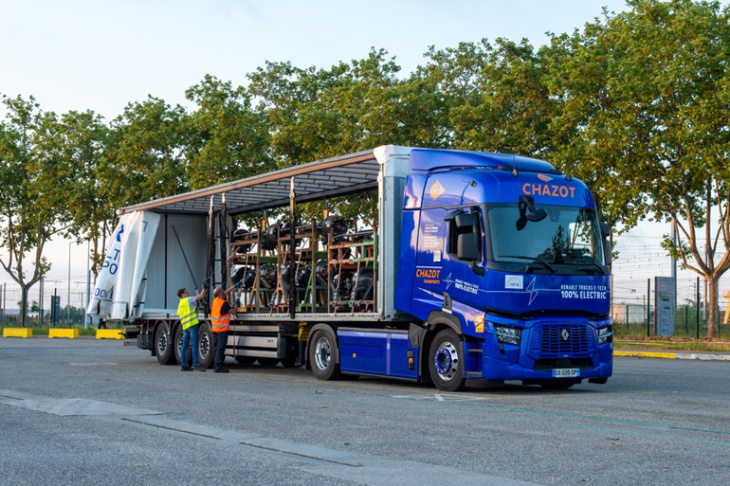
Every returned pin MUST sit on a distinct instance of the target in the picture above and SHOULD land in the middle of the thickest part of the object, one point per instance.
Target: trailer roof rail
(337, 176)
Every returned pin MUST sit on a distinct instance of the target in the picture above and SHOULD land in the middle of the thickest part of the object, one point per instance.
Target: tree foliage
(81, 148)
(229, 140)
(145, 154)
(33, 206)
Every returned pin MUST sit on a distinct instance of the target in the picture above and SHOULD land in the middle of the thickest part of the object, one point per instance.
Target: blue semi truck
(477, 267)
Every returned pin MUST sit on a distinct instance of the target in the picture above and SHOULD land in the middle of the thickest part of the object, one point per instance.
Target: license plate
(566, 373)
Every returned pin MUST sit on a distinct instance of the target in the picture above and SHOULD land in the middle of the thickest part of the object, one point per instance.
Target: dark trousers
(219, 349)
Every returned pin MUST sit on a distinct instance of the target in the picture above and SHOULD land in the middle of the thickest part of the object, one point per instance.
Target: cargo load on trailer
(478, 267)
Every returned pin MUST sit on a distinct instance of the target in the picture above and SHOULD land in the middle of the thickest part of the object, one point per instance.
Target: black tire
(163, 345)
(446, 363)
(245, 360)
(268, 361)
(205, 346)
(322, 353)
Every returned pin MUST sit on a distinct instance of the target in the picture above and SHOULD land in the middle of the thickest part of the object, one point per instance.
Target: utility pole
(68, 298)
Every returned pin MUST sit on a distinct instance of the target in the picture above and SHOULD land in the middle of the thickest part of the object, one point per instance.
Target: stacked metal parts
(334, 270)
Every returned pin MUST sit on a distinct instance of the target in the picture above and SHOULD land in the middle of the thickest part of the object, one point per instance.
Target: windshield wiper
(544, 262)
(533, 260)
(593, 266)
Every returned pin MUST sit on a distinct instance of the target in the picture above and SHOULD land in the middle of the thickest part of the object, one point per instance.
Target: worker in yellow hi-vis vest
(188, 314)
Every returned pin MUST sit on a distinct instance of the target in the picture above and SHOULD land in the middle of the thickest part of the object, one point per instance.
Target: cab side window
(464, 236)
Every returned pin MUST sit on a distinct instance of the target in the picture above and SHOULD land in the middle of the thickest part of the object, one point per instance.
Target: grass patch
(672, 343)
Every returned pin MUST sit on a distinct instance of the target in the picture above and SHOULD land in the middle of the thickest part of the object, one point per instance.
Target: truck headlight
(508, 335)
(605, 335)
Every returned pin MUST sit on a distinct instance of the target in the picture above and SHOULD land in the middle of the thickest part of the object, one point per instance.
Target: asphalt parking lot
(85, 411)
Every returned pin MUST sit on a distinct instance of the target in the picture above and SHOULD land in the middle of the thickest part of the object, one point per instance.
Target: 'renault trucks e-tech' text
(479, 267)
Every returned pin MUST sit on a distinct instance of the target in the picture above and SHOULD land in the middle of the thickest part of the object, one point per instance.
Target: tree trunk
(23, 304)
(714, 314)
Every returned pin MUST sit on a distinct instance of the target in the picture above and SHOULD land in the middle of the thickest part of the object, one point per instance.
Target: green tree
(500, 101)
(452, 78)
(229, 139)
(646, 98)
(587, 136)
(145, 158)
(80, 145)
(32, 201)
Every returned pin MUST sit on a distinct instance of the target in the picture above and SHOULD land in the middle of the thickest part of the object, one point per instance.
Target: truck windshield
(567, 236)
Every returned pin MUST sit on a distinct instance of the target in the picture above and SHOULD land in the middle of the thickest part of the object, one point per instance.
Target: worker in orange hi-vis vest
(220, 319)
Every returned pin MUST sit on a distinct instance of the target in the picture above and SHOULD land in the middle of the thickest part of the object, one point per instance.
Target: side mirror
(467, 247)
(466, 220)
(607, 246)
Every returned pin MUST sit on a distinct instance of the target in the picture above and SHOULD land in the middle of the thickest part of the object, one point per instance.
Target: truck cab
(503, 260)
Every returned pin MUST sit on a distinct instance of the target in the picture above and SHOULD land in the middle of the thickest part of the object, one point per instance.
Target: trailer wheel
(163, 345)
(322, 355)
(205, 346)
(445, 362)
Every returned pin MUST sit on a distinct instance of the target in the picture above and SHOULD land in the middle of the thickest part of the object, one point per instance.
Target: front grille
(560, 341)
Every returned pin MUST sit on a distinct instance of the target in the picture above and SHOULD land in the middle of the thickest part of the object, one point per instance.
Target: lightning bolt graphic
(448, 281)
(532, 291)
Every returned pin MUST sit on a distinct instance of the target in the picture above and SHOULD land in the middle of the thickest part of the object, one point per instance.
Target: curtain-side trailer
(479, 267)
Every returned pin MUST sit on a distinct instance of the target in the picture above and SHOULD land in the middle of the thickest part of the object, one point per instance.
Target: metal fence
(633, 311)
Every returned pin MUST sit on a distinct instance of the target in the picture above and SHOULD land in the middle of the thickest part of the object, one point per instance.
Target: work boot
(198, 368)
(186, 368)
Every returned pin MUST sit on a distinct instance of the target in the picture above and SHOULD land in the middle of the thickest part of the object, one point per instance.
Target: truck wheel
(163, 345)
(322, 351)
(205, 346)
(445, 362)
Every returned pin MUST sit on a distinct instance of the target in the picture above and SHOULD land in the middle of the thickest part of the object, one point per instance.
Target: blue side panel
(376, 352)
(413, 191)
(399, 347)
(406, 261)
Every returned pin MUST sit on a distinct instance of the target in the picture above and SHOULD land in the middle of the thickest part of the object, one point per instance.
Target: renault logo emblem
(565, 334)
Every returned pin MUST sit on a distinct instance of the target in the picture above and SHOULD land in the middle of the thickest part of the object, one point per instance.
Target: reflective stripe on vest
(188, 317)
(219, 323)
